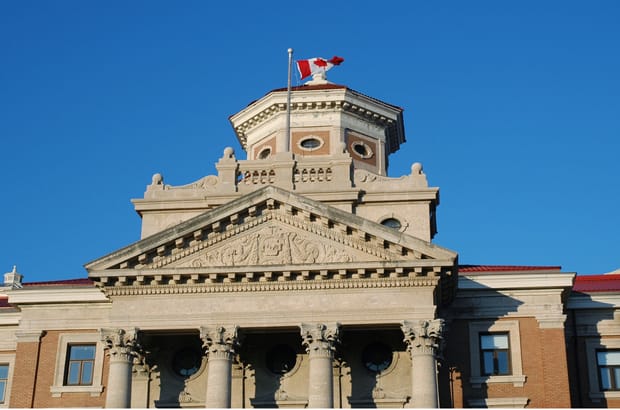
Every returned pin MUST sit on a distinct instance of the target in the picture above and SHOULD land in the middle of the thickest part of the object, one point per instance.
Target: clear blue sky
(513, 108)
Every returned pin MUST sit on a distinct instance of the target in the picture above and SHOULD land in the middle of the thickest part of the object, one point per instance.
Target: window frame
(594, 345)
(65, 340)
(82, 362)
(8, 360)
(495, 352)
(511, 327)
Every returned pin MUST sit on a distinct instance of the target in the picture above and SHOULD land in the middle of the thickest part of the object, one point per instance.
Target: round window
(377, 357)
(281, 359)
(186, 362)
(310, 143)
(391, 223)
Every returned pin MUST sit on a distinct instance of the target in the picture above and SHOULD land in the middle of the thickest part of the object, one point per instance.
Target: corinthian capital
(319, 338)
(219, 341)
(423, 336)
(121, 344)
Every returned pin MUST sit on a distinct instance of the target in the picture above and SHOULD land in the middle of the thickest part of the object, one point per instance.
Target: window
(187, 362)
(377, 357)
(392, 223)
(311, 143)
(608, 362)
(80, 365)
(4, 381)
(494, 354)
(281, 359)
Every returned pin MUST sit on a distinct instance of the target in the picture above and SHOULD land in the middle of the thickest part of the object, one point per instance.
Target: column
(220, 343)
(121, 346)
(319, 341)
(423, 339)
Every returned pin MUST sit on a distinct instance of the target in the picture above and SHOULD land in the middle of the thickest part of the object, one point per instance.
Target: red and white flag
(316, 65)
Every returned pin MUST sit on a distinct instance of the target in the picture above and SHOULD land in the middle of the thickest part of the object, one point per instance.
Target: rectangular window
(4, 380)
(80, 365)
(609, 369)
(494, 354)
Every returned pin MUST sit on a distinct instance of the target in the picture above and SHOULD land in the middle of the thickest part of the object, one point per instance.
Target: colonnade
(423, 339)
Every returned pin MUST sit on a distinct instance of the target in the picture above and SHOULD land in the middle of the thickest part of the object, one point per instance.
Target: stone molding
(320, 339)
(121, 345)
(423, 337)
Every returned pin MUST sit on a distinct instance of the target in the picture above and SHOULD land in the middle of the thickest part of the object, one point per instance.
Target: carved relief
(272, 245)
(424, 336)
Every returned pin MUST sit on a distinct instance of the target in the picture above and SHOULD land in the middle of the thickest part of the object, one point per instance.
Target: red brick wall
(35, 364)
(544, 361)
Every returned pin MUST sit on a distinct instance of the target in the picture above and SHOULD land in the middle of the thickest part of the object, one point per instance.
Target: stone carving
(122, 345)
(272, 245)
(320, 339)
(219, 342)
(417, 178)
(423, 336)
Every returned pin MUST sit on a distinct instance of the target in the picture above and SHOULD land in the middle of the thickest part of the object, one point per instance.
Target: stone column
(423, 339)
(220, 343)
(319, 341)
(121, 346)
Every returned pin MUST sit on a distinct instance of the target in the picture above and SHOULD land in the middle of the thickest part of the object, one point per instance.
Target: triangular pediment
(270, 229)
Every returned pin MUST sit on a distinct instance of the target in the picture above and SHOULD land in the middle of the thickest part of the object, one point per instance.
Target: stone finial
(157, 179)
(229, 153)
(13, 279)
(416, 169)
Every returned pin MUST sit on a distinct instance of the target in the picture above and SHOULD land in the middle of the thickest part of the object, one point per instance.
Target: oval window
(311, 143)
(362, 149)
(377, 357)
(391, 223)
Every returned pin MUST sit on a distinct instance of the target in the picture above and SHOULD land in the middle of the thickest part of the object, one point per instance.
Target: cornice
(56, 295)
(278, 284)
(342, 99)
(533, 279)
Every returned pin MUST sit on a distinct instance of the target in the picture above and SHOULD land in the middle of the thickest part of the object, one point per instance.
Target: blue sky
(511, 106)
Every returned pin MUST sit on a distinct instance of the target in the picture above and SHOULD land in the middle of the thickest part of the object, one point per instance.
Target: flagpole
(288, 101)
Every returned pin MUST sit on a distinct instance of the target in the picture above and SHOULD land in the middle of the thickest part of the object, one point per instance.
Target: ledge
(477, 382)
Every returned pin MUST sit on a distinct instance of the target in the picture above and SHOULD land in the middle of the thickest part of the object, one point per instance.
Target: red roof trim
(504, 268)
(597, 283)
(78, 282)
(4, 303)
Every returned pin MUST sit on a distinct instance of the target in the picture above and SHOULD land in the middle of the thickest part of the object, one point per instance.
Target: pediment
(271, 229)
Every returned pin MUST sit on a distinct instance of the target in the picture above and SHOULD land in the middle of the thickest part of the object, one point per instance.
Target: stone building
(304, 276)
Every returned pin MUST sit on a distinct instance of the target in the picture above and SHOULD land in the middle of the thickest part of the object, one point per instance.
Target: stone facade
(303, 276)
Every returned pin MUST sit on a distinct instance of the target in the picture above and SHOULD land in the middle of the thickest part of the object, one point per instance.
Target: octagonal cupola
(324, 117)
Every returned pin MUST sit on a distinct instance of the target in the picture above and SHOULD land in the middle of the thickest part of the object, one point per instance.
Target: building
(304, 276)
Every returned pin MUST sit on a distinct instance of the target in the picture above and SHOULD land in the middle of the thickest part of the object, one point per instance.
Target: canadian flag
(316, 65)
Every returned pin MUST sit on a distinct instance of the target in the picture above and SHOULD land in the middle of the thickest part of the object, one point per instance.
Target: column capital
(121, 344)
(423, 336)
(219, 341)
(320, 339)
